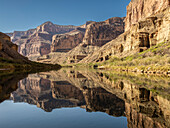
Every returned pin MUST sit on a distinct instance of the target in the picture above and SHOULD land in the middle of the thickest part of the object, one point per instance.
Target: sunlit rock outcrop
(37, 42)
(66, 42)
(141, 33)
(139, 9)
(83, 41)
(99, 33)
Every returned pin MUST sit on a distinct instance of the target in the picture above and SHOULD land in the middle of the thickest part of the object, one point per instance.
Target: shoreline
(136, 70)
(146, 71)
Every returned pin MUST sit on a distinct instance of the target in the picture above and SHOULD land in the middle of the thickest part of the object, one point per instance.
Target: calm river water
(71, 98)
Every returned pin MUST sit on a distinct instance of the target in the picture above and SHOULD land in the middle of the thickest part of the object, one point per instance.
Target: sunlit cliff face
(138, 9)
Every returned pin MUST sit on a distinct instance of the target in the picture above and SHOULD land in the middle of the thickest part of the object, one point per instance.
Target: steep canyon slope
(146, 24)
(96, 35)
(11, 60)
(8, 50)
(144, 29)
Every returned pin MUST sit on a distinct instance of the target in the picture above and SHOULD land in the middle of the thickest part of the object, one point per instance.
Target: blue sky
(25, 14)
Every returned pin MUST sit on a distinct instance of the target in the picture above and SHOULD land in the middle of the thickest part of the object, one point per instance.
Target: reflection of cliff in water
(147, 99)
(48, 94)
(143, 100)
(8, 84)
(42, 92)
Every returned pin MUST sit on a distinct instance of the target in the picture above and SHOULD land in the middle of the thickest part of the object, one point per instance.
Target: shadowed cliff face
(143, 100)
(8, 50)
(8, 84)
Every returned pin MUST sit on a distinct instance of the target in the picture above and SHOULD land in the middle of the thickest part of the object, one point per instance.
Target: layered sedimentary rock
(79, 45)
(54, 29)
(37, 42)
(34, 47)
(145, 33)
(20, 34)
(66, 42)
(73, 56)
(139, 9)
(99, 33)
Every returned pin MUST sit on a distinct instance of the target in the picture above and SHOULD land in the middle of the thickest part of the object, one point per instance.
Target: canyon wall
(81, 42)
(66, 42)
(146, 24)
(37, 42)
(18, 34)
(49, 27)
(99, 33)
(139, 9)
(146, 32)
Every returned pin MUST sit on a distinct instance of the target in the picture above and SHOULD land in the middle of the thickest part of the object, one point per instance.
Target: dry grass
(155, 58)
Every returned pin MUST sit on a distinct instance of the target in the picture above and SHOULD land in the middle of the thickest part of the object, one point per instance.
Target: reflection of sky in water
(143, 100)
(22, 115)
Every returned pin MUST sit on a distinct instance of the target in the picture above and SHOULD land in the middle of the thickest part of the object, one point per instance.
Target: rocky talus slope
(96, 35)
(141, 35)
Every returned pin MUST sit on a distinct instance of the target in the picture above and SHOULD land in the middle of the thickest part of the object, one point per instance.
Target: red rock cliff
(66, 42)
(99, 33)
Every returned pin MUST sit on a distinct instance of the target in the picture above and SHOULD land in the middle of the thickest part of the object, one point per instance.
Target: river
(76, 98)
